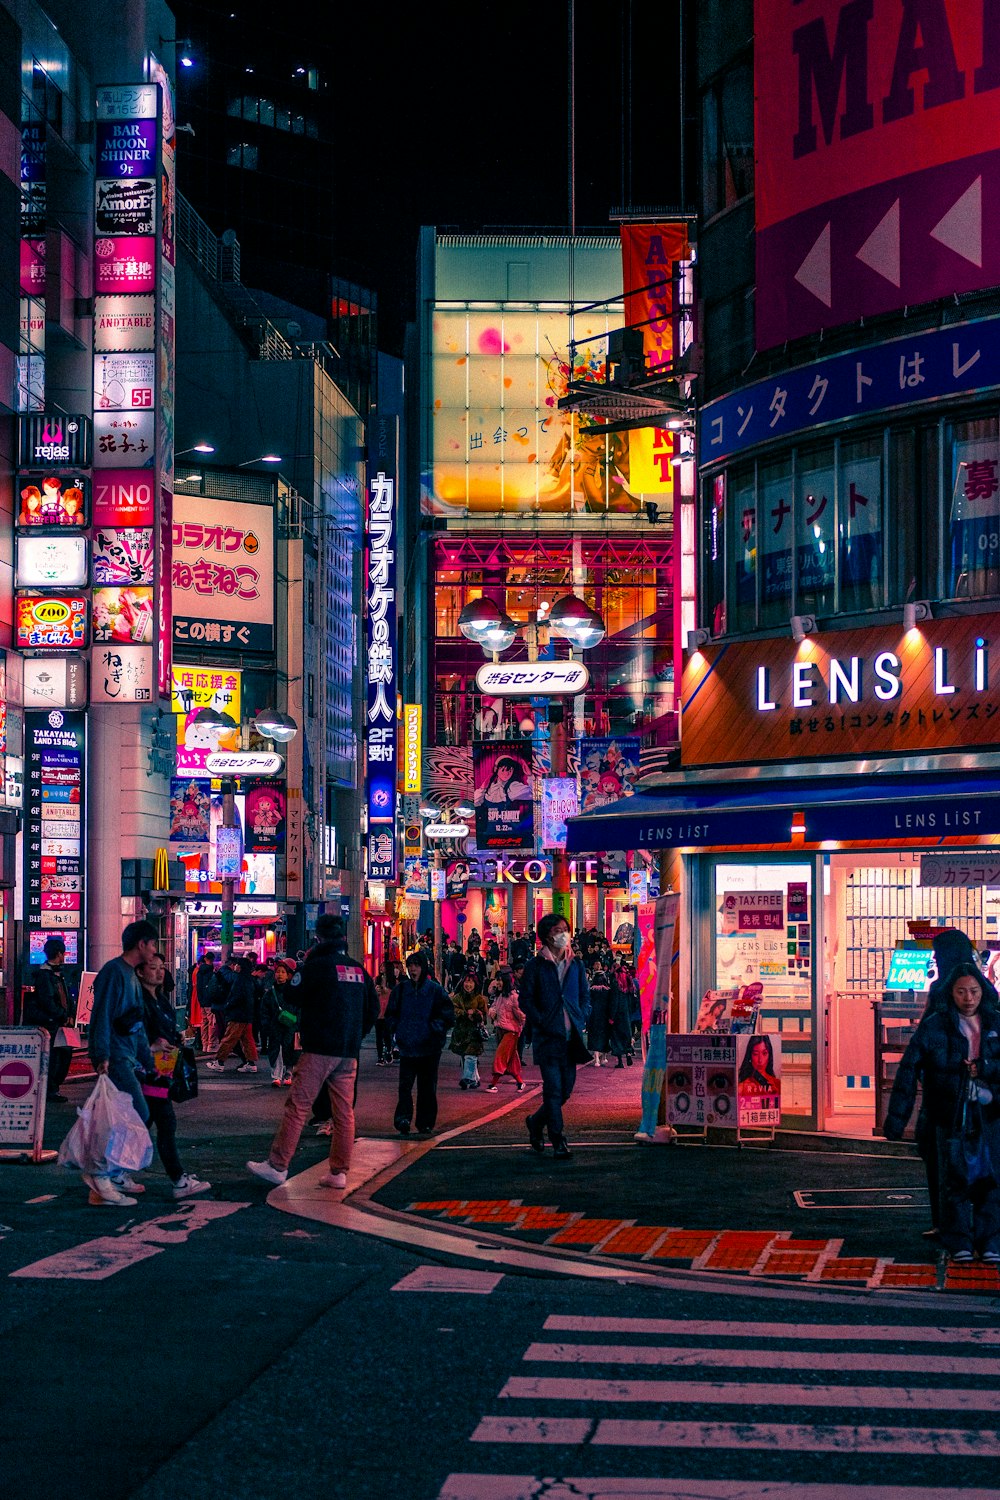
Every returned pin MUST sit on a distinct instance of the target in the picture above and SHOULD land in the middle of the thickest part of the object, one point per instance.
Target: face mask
(560, 942)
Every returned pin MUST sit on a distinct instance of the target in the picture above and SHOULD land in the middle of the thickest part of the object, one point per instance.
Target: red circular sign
(16, 1080)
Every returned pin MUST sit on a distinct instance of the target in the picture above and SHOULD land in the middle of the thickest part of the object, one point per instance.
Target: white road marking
(95, 1260)
(855, 1333)
(45, 1198)
(783, 1437)
(687, 1392)
(531, 1487)
(775, 1359)
(449, 1279)
(563, 1430)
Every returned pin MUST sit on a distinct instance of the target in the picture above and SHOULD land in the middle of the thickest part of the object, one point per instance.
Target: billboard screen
(498, 441)
(222, 573)
(876, 138)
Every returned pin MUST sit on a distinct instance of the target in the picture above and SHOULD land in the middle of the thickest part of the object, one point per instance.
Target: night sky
(447, 114)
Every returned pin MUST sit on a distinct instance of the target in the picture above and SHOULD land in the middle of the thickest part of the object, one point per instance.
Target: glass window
(727, 149)
(298, 125)
(743, 509)
(235, 108)
(282, 119)
(266, 112)
(860, 525)
(776, 532)
(815, 532)
(714, 554)
(974, 515)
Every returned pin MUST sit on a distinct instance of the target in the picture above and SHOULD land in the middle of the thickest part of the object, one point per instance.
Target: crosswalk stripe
(530, 1487)
(781, 1437)
(702, 1328)
(569, 1431)
(690, 1392)
(777, 1359)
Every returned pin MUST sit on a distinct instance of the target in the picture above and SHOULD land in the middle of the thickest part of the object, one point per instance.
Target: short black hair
(546, 925)
(331, 929)
(136, 933)
(53, 945)
(419, 958)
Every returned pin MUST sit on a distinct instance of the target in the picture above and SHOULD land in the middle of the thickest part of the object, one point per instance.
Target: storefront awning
(724, 814)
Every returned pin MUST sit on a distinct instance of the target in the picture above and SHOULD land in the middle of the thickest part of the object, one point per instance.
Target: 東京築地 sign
(532, 679)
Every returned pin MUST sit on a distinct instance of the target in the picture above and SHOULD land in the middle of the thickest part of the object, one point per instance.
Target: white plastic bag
(108, 1133)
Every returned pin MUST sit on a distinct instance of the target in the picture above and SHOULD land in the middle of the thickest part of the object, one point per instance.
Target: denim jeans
(558, 1078)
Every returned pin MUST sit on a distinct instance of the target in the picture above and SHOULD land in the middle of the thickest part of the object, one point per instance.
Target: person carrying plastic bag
(118, 1046)
(108, 1135)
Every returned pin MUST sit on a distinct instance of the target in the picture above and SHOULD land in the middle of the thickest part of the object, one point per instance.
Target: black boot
(560, 1149)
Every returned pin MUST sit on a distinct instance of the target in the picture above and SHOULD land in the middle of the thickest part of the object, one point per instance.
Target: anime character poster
(190, 809)
(265, 817)
(505, 809)
(608, 770)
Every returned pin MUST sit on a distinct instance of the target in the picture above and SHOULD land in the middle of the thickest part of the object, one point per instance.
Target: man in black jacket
(48, 1007)
(338, 1007)
(555, 997)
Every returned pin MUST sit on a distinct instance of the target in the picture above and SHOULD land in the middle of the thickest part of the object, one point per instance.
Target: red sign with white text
(123, 497)
(877, 139)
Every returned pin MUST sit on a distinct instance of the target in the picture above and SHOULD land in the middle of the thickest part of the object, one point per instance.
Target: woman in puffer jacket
(508, 1018)
(955, 1055)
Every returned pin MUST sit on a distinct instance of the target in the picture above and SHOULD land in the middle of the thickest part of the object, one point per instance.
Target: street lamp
(198, 448)
(274, 725)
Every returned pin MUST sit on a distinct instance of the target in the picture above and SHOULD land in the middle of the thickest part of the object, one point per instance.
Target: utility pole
(228, 881)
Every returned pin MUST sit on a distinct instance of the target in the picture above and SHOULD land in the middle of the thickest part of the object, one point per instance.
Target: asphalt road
(248, 1351)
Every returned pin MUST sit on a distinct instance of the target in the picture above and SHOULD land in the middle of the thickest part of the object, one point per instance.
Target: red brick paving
(634, 1241)
(585, 1232)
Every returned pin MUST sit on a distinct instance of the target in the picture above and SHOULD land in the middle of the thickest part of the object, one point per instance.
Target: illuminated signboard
(52, 439)
(121, 674)
(124, 615)
(412, 719)
(51, 562)
(123, 556)
(124, 440)
(127, 208)
(126, 148)
(192, 688)
(532, 679)
(123, 382)
(910, 969)
(380, 602)
(222, 573)
(56, 500)
(54, 821)
(124, 323)
(51, 622)
(127, 101)
(125, 263)
(124, 498)
(55, 682)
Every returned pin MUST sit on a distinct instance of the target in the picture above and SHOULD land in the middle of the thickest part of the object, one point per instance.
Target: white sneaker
(215, 1067)
(187, 1186)
(126, 1184)
(333, 1180)
(105, 1192)
(267, 1172)
(247, 1068)
(325, 1127)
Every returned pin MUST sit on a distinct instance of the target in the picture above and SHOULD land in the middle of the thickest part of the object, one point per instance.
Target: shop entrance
(780, 955)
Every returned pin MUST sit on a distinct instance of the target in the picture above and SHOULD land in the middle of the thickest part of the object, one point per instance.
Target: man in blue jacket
(555, 996)
(418, 1015)
(338, 1006)
(118, 1046)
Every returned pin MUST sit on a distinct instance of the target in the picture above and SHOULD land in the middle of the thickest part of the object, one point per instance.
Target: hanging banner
(560, 800)
(504, 806)
(608, 770)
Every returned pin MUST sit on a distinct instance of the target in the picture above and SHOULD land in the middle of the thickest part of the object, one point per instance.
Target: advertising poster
(192, 688)
(701, 1081)
(416, 877)
(123, 557)
(265, 817)
(190, 809)
(608, 769)
(222, 574)
(500, 443)
(124, 323)
(56, 500)
(758, 1068)
(123, 498)
(123, 382)
(124, 615)
(196, 742)
(503, 797)
(45, 562)
(560, 800)
(121, 674)
(51, 622)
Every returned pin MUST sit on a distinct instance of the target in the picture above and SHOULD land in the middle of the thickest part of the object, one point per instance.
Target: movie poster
(608, 769)
(265, 820)
(505, 810)
(190, 809)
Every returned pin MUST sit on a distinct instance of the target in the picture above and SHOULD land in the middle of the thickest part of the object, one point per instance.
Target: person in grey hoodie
(118, 1046)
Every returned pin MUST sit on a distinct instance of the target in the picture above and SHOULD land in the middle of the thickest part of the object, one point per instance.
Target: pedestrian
(239, 1022)
(955, 1055)
(223, 980)
(338, 1006)
(48, 1006)
(555, 997)
(619, 1023)
(160, 1025)
(419, 1014)
(508, 1018)
(519, 950)
(454, 966)
(469, 1030)
(385, 981)
(279, 1013)
(204, 983)
(951, 947)
(600, 1015)
(118, 1047)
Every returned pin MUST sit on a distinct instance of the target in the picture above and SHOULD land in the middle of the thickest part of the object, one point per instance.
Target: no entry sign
(16, 1080)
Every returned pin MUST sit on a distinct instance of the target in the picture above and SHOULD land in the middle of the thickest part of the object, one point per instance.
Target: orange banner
(845, 693)
(650, 253)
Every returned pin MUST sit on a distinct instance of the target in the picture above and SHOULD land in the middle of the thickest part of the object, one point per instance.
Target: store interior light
(798, 823)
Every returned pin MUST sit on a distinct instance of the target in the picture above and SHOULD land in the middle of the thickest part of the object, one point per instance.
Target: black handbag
(184, 1083)
(970, 1164)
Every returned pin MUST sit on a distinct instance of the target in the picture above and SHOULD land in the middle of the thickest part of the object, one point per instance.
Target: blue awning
(720, 814)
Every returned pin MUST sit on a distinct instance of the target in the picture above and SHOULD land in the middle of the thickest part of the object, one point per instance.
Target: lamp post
(483, 622)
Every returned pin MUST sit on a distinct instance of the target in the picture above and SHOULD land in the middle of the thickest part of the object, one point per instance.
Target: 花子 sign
(222, 573)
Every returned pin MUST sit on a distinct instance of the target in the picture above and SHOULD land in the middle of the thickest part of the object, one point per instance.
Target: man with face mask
(555, 997)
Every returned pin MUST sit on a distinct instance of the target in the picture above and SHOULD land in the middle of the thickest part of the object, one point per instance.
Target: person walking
(469, 1029)
(508, 1018)
(600, 1015)
(239, 1022)
(338, 1006)
(385, 982)
(117, 1046)
(418, 1014)
(955, 1054)
(619, 1023)
(204, 979)
(160, 1025)
(48, 1007)
(555, 997)
(278, 1003)
(951, 947)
